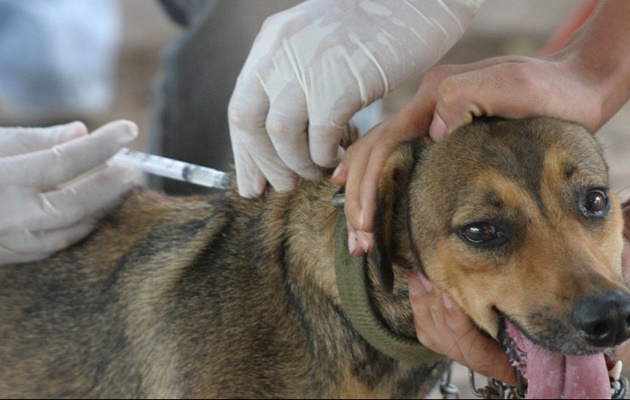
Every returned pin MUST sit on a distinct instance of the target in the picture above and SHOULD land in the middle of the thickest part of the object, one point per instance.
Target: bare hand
(444, 328)
(449, 97)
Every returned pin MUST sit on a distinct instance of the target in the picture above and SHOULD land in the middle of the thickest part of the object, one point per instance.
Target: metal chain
(495, 389)
(619, 391)
(448, 389)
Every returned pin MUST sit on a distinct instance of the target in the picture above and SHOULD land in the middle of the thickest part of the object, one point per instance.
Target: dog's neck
(355, 292)
(314, 247)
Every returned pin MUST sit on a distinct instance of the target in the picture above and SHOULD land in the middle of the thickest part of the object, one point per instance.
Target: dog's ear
(391, 197)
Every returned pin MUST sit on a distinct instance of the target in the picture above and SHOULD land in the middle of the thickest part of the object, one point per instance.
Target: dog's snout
(604, 319)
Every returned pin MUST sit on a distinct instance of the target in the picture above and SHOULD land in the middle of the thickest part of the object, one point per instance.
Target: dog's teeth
(615, 372)
(615, 386)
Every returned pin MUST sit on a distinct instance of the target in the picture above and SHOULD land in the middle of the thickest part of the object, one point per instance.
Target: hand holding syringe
(168, 168)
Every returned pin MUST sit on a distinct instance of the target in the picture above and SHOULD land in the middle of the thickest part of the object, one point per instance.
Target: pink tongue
(554, 376)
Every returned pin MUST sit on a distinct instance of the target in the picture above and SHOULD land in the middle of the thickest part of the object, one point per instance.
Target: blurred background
(129, 59)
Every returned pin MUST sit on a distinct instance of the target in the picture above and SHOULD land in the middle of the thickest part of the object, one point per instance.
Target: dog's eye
(595, 203)
(479, 232)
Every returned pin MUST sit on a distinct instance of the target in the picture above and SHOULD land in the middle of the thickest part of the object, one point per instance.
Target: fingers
(359, 242)
(93, 196)
(324, 147)
(32, 246)
(361, 188)
(350, 172)
(510, 87)
(325, 132)
(270, 141)
(464, 96)
(246, 117)
(47, 168)
(249, 178)
(448, 95)
(274, 147)
(362, 165)
(286, 124)
(37, 219)
(61, 218)
(14, 141)
(444, 328)
(255, 157)
(360, 195)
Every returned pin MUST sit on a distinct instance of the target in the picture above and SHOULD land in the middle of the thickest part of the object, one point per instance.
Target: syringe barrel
(168, 168)
(205, 176)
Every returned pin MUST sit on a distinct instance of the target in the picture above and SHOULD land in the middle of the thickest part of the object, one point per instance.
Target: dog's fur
(222, 296)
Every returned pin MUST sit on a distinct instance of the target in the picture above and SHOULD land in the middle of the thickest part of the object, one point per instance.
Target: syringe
(168, 168)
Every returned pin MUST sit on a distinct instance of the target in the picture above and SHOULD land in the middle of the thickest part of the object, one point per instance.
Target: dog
(221, 296)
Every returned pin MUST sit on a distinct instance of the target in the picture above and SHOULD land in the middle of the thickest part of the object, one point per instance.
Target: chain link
(448, 389)
(495, 389)
(620, 392)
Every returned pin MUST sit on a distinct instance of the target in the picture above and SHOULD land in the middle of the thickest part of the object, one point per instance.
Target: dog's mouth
(555, 375)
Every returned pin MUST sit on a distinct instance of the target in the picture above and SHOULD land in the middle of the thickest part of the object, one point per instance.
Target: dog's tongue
(555, 376)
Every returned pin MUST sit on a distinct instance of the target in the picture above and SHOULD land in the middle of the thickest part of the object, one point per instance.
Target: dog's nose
(604, 319)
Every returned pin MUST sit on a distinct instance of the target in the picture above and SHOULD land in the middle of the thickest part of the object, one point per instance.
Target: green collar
(352, 284)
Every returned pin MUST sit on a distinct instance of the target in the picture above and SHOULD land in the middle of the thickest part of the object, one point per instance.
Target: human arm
(39, 216)
(312, 67)
(586, 82)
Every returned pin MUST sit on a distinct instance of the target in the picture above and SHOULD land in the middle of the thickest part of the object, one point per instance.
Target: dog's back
(191, 297)
(74, 325)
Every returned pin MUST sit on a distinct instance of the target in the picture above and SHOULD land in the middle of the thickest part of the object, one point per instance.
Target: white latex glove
(37, 218)
(312, 67)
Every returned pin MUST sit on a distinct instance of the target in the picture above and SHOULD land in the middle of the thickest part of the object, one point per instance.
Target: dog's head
(515, 221)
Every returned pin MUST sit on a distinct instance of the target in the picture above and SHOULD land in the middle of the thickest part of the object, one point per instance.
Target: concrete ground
(502, 27)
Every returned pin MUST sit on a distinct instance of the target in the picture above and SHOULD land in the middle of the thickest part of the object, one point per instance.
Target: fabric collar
(352, 279)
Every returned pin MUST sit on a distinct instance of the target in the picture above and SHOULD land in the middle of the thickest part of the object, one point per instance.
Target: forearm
(599, 54)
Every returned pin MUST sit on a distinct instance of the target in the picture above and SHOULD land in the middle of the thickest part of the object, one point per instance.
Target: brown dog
(228, 297)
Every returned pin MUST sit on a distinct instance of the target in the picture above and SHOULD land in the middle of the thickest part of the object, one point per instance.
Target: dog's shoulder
(145, 226)
(144, 206)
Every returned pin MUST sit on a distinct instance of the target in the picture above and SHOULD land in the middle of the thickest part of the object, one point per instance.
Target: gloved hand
(37, 217)
(312, 67)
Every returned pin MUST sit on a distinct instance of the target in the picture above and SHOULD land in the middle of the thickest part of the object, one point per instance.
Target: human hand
(444, 328)
(449, 97)
(312, 67)
(586, 82)
(37, 216)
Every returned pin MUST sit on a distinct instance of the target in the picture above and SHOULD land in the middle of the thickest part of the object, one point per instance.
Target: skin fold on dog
(220, 296)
